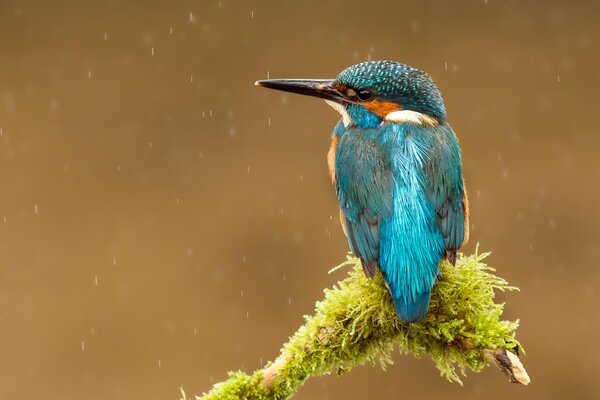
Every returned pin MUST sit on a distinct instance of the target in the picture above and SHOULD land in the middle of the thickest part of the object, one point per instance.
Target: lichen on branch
(356, 323)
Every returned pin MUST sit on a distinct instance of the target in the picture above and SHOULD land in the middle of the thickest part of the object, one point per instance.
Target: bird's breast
(335, 139)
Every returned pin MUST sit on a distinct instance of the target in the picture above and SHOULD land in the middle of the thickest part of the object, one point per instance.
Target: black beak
(322, 88)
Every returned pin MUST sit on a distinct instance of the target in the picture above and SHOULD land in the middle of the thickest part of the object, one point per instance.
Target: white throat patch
(411, 117)
(346, 119)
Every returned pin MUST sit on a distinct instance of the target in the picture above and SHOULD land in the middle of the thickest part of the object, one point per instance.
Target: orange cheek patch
(381, 108)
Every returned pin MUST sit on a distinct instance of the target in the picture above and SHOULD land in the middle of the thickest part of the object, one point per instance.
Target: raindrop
(152, 50)
(247, 315)
(248, 169)
(289, 300)
(252, 14)
(118, 168)
(195, 331)
(150, 144)
(170, 31)
(106, 36)
(268, 75)
(1, 131)
(35, 209)
(159, 363)
(269, 121)
(242, 293)
(301, 178)
(82, 345)
(95, 280)
(5, 219)
(210, 112)
(177, 200)
(89, 74)
(192, 18)
(415, 26)
(446, 65)
(191, 78)
(558, 78)
(114, 261)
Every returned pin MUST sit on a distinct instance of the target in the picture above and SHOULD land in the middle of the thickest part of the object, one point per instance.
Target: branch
(356, 323)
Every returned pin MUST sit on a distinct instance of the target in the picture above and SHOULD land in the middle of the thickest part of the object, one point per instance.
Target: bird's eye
(365, 94)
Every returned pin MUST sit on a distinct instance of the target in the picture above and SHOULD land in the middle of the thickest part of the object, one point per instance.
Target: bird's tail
(414, 309)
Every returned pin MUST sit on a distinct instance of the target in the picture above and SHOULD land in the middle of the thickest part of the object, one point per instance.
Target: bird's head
(369, 93)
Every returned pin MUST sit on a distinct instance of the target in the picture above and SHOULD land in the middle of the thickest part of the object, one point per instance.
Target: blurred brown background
(163, 221)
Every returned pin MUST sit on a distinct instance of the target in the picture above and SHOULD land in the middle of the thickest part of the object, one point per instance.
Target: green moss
(356, 323)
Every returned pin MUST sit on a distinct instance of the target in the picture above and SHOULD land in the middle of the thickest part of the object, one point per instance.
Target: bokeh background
(163, 221)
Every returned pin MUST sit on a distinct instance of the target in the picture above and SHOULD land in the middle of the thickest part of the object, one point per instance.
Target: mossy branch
(356, 323)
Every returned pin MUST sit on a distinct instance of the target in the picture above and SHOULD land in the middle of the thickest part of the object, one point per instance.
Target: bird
(396, 166)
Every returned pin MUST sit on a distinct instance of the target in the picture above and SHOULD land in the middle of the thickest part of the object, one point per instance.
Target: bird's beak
(322, 88)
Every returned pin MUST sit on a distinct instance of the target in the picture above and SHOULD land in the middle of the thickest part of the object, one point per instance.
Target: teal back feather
(392, 183)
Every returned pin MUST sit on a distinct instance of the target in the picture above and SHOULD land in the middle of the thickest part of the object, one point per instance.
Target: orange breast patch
(331, 156)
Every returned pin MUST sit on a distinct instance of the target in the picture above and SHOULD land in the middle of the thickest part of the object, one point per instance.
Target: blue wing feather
(445, 188)
(363, 185)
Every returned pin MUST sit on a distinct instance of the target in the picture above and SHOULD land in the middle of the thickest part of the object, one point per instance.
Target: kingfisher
(395, 163)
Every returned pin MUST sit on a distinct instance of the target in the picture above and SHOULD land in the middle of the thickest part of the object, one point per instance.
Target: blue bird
(396, 166)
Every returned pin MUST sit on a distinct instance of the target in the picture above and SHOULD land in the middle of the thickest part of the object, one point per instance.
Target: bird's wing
(364, 187)
(446, 191)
